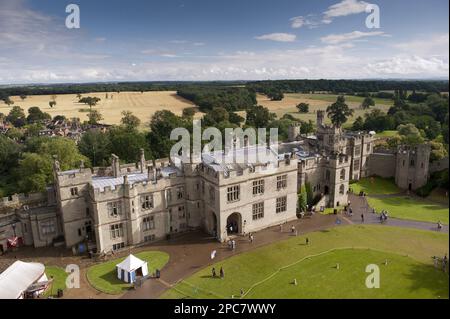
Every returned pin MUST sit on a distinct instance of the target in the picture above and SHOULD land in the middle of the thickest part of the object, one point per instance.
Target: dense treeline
(103, 87)
(275, 87)
(346, 86)
(230, 98)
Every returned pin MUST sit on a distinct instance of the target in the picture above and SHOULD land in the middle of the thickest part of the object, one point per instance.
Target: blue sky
(138, 40)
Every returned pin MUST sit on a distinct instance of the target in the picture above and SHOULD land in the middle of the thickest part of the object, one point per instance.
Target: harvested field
(143, 105)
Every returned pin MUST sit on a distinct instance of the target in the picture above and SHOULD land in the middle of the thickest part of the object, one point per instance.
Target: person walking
(444, 263)
(213, 271)
(222, 274)
(293, 229)
(251, 238)
(362, 218)
(233, 244)
(307, 241)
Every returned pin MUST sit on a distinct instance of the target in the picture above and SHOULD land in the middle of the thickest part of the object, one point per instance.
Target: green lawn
(412, 208)
(387, 134)
(103, 276)
(375, 186)
(411, 277)
(402, 277)
(59, 280)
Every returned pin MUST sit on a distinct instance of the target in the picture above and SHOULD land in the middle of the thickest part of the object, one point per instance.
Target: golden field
(143, 105)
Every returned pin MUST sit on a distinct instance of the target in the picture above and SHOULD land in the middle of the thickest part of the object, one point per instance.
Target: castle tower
(412, 166)
(320, 117)
(293, 132)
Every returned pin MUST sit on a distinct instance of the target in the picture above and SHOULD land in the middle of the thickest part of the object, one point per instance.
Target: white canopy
(130, 267)
(18, 277)
(131, 263)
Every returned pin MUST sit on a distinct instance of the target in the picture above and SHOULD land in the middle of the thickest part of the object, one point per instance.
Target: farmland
(143, 105)
(317, 102)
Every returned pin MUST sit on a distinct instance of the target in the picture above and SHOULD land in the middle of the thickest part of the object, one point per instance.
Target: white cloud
(411, 66)
(280, 37)
(310, 21)
(431, 45)
(345, 8)
(344, 37)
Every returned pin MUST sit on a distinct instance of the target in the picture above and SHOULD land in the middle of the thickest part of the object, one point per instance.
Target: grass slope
(412, 208)
(375, 186)
(244, 270)
(103, 277)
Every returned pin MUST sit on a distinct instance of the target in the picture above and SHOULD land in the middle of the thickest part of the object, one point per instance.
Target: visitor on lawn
(293, 229)
(222, 274)
(214, 272)
(362, 218)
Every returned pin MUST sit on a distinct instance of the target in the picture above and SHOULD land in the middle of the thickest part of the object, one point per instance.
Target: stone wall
(382, 164)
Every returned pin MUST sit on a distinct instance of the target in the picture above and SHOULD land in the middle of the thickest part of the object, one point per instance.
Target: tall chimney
(320, 116)
(150, 172)
(115, 165)
(142, 160)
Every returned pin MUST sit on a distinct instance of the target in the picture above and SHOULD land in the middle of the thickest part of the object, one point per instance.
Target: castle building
(131, 204)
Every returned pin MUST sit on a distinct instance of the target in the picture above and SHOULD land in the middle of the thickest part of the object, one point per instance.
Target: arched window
(342, 174)
(342, 189)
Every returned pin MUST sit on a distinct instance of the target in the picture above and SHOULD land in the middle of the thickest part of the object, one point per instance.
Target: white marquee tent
(18, 277)
(131, 267)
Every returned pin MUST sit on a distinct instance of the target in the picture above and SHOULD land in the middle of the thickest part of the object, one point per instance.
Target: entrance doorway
(234, 224)
(327, 190)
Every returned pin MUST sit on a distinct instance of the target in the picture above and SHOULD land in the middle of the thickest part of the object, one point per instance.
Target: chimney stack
(150, 173)
(115, 165)
(142, 160)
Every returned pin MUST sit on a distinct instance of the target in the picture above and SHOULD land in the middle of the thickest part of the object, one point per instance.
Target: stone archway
(234, 224)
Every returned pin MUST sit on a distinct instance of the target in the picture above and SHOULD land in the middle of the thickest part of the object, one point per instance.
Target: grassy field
(375, 186)
(103, 277)
(317, 102)
(409, 273)
(386, 134)
(143, 105)
(59, 280)
(412, 208)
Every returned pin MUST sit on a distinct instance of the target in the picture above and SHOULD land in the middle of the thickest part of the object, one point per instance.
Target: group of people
(221, 273)
(231, 244)
(444, 262)
(383, 216)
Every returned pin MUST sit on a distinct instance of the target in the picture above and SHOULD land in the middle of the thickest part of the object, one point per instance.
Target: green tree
(367, 103)
(339, 112)
(303, 107)
(161, 124)
(9, 154)
(259, 116)
(302, 199)
(95, 145)
(94, 117)
(36, 115)
(358, 125)
(438, 151)
(126, 143)
(129, 120)
(16, 116)
(189, 112)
